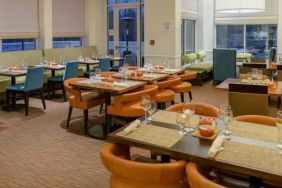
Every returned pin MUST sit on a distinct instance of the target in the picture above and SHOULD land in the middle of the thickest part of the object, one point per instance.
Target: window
(259, 38)
(255, 39)
(188, 36)
(230, 36)
(18, 44)
(66, 42)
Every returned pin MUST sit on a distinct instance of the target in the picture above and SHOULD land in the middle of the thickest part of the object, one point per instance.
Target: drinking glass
(164, 62)
(189, 111)
(97, 72)
(228, 119)
(125, 73)
(181, 120)
(151, 110)
(145, 104)
(121, 70)
(279, 131)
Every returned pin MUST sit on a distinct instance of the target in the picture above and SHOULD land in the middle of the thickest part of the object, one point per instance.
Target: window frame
(22, 41)
(78, 37)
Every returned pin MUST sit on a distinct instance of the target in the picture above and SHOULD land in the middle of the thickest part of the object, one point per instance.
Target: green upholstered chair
(33, 82)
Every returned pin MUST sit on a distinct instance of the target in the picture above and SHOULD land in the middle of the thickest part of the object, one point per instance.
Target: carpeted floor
(37, 151)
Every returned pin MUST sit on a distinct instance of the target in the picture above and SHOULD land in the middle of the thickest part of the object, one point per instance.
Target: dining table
(54, 68)
(12, 74)
(164, 71)
(108, 90)
(88, 62)
(250, 150)
(146, 77)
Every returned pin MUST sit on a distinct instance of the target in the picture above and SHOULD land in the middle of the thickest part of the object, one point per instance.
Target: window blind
(18, 19)
(68, 18)
(189, 9)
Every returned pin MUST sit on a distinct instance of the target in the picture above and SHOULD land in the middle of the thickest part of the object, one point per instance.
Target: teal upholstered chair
(224, 64)
(130, 60)
(71, 70)
(33, 82)
(272, 54)
(105, 64)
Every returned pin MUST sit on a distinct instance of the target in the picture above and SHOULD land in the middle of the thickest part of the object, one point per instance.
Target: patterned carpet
(37, 151)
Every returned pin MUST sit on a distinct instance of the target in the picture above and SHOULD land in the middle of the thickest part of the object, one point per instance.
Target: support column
(96, 24)
(205, 26)
(163, 32)
(45, 24)
(279, 33)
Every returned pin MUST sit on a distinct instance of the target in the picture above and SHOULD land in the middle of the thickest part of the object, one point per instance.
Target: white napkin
(216, 146)
(132, 127)
(120, 84)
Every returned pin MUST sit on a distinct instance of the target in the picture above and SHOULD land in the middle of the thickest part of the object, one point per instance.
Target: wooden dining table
(147, 77)
(89, 62)
(12, 74)
(109, 90)
(53, 68)
(251, 150)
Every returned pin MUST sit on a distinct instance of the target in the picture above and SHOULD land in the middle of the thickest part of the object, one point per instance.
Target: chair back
(71, 70)
(197, 180)
(34, 78)
(246, 99)
(224, 64)
(168, 82)
(130, 60)
(127, 173)
(105, 64)
(255, 65)
(272, 54)
(279, 72)
(201, 108)
(264, 120)
(76, 93)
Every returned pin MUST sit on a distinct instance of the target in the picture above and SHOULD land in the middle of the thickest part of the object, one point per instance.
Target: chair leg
(8, 100)
(101, 108)
(172, 102)
(43, 99)
(14, 98)
(278, 102)
(163, 105)
(49, 89)
(26, 103)
(69, 116)
(159, 106)
(85, 112)
(190, 96)
(64, 94)
(182, 97)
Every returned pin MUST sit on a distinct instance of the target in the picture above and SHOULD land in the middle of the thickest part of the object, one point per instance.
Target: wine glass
(97, 72)
(145, 104)
(279, 131)
(121, 70)
(181, 120)
(125, 72)
(189, 111)
(228, 119)
(151, 110)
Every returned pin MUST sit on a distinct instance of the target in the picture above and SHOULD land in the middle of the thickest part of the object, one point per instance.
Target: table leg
(5, 107)
(101, 131)
(87, 67)
(53, 73)
(13, 80)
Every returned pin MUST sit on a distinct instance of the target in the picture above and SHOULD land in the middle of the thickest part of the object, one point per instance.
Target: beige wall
(159, 16)
(279, 28)
(45, 24)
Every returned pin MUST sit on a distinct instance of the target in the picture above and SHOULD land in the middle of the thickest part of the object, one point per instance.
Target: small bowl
(206, 130)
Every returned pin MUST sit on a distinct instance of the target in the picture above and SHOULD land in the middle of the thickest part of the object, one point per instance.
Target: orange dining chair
(184, 86)
(197, 180)
(265, 120)
(128, 104)
(126, 173)
(83, 100)
(201, 108)
(164, 93)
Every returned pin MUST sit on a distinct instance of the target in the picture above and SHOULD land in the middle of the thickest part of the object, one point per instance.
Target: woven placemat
(154, 135)
(254, 131)
(196, 133)
(252, 156)
(170, 118)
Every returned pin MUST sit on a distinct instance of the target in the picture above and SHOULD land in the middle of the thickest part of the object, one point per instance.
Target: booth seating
(33, 83)
(196, 62)
(125, 172)
(258, 119)
(245, 57)
(83, 100)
